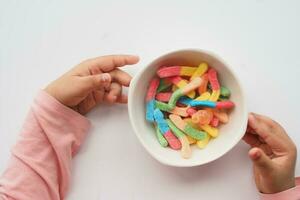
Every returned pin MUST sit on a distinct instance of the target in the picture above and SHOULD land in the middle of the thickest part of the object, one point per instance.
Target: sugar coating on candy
(186, 151)
(191, 140)
(203, 143)
(172, 140)
(163, 96)
(183, 126)
(224, 105)
(160, 121)
(150, 106)
(224, 91)
(213, 79)
(174, 129)
(209, 104)
(214, 95)
(194, 133)
(202, 68)
(185, 100)
(187, 71)
(181, 83)
(203, 87)
(203, 97)
(168, 71)
(163, 106)
(202, 117)
(190, 111)
(162, 141)
(175, 96)
(152, 89)
(195, 83)
(180, 111)
(214, 122)
(213, 132)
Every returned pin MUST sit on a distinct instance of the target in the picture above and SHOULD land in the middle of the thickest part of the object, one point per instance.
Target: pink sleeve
(40, 164)
(291, 194)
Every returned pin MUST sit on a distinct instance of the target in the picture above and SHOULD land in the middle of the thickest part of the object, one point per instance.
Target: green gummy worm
(174, 128)
(162, 141)
(163, 85)
(194, 133)
(174, 98)
(225, 92)
(162, 106)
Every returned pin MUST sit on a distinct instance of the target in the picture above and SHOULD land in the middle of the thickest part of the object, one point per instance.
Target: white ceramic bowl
(230, 133)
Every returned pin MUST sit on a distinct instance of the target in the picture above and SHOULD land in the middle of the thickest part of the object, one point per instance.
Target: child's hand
(92, 82)
(273, 154)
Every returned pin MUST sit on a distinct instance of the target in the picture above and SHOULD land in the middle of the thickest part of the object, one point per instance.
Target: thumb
(260, 160)
(97, 81)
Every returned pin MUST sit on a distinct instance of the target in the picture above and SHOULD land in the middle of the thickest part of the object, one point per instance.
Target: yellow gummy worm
(203, 97)
(203, 143)
(174, 88)
(213, 132)
(187, 71)
(182, 84)
(200, 70)
(214, 95)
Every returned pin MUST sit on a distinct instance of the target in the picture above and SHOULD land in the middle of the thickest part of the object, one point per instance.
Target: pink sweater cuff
(48, 105)
(290, 194)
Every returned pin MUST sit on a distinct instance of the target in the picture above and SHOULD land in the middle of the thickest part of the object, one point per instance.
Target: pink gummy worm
(175, 79)
(168, 71)
(191, 111)
(154, 83)
(163, 96)
(213, 79)
(172, 140)
(224, 104)
(214, 122)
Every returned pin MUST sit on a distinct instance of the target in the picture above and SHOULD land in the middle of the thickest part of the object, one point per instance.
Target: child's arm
(40, 164)
(274, 157)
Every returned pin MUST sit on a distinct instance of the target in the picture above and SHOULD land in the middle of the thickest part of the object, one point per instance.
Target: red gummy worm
(213, 79)
(154, 83)
(168, 71)
(172, 140)
(224, 105)
(163, 96)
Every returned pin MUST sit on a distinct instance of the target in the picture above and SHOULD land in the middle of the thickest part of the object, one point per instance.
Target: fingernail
(105, 77)
(252, 117)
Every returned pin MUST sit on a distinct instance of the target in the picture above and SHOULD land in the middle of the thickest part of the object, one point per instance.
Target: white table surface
(39, 40)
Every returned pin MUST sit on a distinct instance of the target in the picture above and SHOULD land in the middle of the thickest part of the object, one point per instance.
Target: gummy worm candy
(203, 87)
(203, 143)
(186, 151)
(181, 83)
(225, 92)
(202, 117)
(182, 111)
(165, 130)
(213, 79)
(176, 71)
(162, 141)
(185, 127)
(214, 122)
(213, 132)
(163, 84)
(183, 91)
(203, 97)
(190, 111)
(211, 104)
(150, 99)
(202, 68)
(221, 115)
(163, 96)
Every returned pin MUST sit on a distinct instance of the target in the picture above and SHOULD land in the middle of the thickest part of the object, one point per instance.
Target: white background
(39, 40)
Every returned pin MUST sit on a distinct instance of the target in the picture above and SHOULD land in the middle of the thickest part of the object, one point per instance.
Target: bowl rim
(131, 95)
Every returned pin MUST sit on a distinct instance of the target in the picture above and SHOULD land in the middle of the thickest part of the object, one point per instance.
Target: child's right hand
(273, 154)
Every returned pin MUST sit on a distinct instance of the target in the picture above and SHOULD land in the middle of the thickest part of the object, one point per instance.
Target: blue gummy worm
(185, 100)
(150, 106)
(209, 104)
(160, 121)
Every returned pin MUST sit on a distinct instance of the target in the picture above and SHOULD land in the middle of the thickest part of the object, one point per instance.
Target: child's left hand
(92, 82)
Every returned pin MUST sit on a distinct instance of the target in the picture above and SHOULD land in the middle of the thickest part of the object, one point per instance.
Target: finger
(108, 63)
(121, 77)
(261, 127)
(99, 95)
(252, 140)
(114, 93)
(94, 82)
(261, 161)
(123, 99)
(87, 104)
